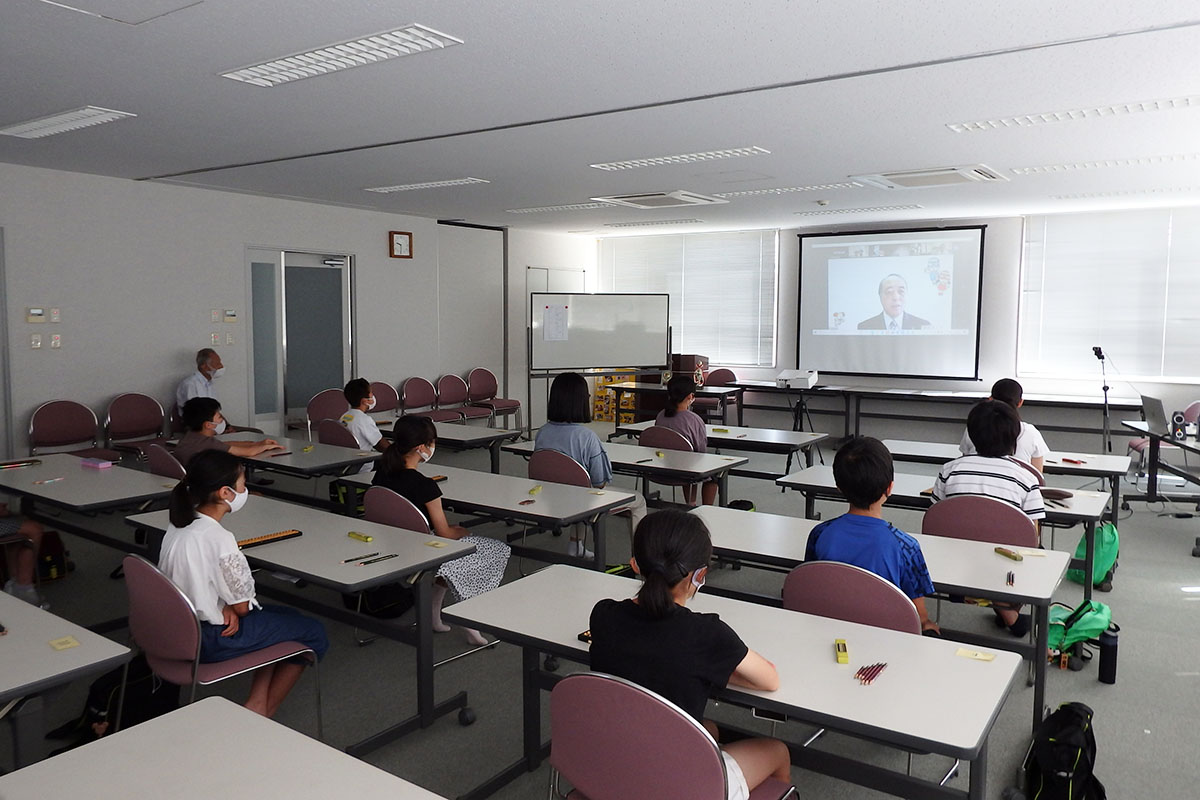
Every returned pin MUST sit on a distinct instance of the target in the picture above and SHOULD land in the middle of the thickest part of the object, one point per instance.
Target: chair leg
(121, 698)
(357, 638)
(320, 717)
(950, 773)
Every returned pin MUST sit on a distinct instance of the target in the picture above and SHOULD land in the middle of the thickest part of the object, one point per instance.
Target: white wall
(534, 249)
(135, 268)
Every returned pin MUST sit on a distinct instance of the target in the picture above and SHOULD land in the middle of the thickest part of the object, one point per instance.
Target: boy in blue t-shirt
(863, 473)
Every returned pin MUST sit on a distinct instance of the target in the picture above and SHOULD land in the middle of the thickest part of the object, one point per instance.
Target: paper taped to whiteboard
(554, 323)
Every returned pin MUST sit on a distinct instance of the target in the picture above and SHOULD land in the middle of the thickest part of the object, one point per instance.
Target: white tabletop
(303, 457)
(1187, 443)
(940, 452)
(701, 391)
(504, 495)
(466, 435)
(209, 750)
(1082, 506)
(906, 705)
(647, 460)
(955, 565)
(318, 554)
(83, 488)
(733, 437)
(29, 663)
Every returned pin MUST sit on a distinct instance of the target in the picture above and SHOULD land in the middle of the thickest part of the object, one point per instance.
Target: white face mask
(370, 403)
(429, 455)
(698, 583)
(239, 499)
(220, 427)
(216, 373)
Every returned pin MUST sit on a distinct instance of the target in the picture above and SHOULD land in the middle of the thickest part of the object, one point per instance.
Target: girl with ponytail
(656, 642)
(203, 560)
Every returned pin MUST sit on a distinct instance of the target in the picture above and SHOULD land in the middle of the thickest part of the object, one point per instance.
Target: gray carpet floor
(1141, 722)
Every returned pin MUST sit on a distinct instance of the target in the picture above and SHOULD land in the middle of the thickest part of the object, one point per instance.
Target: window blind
(1126, 281)
(722, 288)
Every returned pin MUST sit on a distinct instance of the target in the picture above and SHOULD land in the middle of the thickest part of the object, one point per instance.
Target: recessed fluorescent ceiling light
(1046, 117)
(569, 207)
(64, 122)
(872, 209)
(1141, 161)
(657, 222)
(405, 41)
(685, 158)
(817, 187)
(409, 187)
(1126, 193)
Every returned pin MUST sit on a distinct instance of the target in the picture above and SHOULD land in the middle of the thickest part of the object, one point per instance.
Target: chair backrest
(386, 398)
(482, 384)
(980, 519)
(386, 507)
(331, 431)
(556, 467)
(133, 416)
(59, 423)
(163, 463)
(1192, 412)
(720, 377)
(666, 438)
(175, 424)
(850, 593)
(327, 404)
(162, 620)
(614, 740)
(451, 391)
(417, 392)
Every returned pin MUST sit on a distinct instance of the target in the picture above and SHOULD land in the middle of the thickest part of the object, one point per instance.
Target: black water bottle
(1108, 657)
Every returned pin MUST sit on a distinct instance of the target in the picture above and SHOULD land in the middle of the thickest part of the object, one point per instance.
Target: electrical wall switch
(214, 314)
(35, 314)
(56, 315)
(35, 341)
(229, 338)
(214, 338)
(55, 341)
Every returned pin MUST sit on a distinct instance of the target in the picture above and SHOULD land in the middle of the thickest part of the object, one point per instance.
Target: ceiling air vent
(661, 199)
(927, 178)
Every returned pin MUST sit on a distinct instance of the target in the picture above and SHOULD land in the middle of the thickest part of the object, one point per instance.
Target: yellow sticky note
(308, 449)
(65, 643)
(659, 453)
(1034, 553)
(435, 543)
(977, 655)
(595, 491)
(720, 430)
(536, 490)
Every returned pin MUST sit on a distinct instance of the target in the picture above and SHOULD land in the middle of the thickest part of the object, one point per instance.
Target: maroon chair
(386, 507)
(452, 396)
(663, 438)
(164, 624)
(419, 399)
(710, 407)
(481, 391)
(331, 431)
(1141, 445)
(134, 421)
(386, 397)
(175, 426)
(62, 423)
(163, 463)
(555, 467)
(326, 404)
(850, 593)
(614, 740)
(980, 519)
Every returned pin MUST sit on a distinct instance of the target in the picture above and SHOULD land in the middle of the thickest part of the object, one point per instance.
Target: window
(722, 288)
(1126, 281)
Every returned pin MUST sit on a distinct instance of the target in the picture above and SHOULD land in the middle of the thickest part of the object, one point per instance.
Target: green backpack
(1108, 544)
(1069, 626)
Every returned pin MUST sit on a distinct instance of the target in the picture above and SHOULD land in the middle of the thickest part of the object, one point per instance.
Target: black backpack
(1061, 758)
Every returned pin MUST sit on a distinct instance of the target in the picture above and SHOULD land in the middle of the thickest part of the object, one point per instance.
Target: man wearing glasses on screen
(893, 290)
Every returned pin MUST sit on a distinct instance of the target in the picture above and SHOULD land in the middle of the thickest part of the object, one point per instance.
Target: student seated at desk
(678, 416)
(994, 427)
(656, 642)
(365, 429)
(204, 423)
(415, 442)
(1031, 447)
(567, 412)
(863, 472)
(22, 583)
(203, 560)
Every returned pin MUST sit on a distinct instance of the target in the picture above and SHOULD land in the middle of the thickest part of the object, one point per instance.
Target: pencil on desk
(284, 453)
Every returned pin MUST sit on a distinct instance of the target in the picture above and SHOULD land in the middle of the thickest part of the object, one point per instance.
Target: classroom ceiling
(538, 91)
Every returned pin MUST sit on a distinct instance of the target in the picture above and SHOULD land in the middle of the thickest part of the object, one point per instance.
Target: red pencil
(875, 674)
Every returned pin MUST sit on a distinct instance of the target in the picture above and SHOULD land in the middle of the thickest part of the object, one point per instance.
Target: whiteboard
(586, 331)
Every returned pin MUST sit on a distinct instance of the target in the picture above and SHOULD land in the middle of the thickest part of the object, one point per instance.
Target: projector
(796, 379)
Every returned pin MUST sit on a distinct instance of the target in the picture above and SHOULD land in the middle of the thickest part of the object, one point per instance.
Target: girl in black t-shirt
(414, 441)
(656, 642)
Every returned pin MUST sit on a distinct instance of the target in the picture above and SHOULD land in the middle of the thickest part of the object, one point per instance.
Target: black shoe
(1020, 628)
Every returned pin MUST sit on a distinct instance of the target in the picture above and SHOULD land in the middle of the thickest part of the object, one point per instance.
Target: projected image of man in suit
(893, 291)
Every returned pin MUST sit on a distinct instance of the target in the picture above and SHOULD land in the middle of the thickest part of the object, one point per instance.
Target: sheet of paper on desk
(554, 323)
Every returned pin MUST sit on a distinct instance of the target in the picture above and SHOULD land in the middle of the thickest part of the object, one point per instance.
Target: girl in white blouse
(203, 560)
